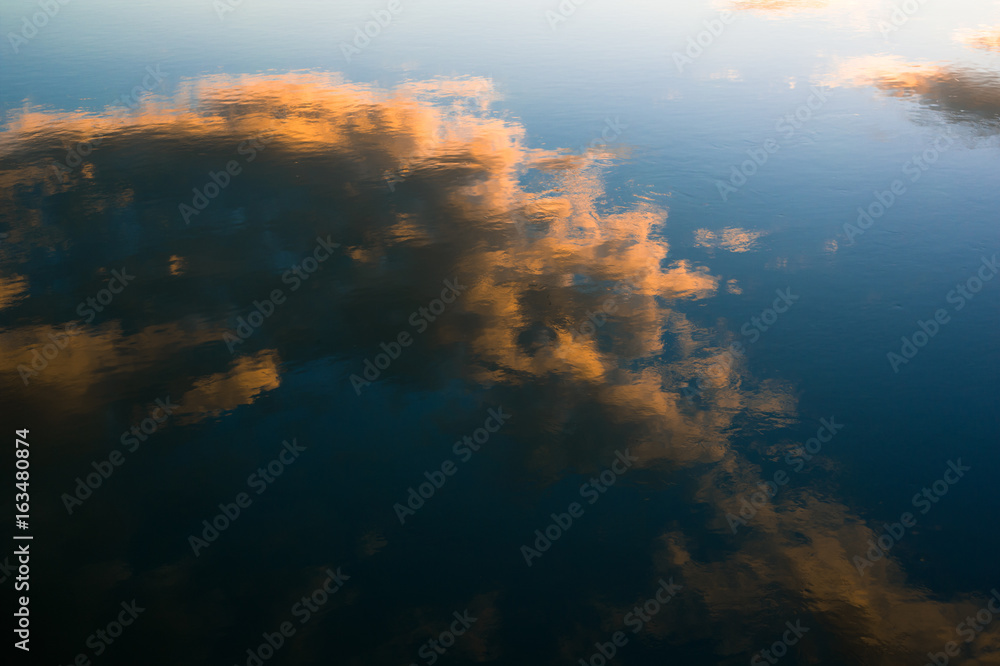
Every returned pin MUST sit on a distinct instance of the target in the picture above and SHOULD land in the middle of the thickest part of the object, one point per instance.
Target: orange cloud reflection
(537, 263)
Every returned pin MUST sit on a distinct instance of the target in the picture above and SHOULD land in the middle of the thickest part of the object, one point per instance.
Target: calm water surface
(513, 333)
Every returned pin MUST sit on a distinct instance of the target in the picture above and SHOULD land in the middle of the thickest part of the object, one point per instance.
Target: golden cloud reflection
(860, 16)
(537, 261)
(732, 239)
(12, 289)
(781, 6)
(987, 39)
(221, 392)
(962, 95)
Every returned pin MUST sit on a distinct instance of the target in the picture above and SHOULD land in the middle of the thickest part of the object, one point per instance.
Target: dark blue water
(515, 333)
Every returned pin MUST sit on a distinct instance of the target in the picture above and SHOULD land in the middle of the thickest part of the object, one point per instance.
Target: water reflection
(420, 184)
(987, 39)
(856, 15)
(961, 94)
